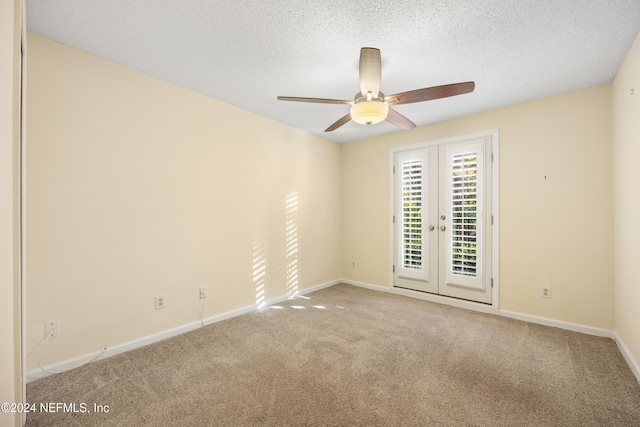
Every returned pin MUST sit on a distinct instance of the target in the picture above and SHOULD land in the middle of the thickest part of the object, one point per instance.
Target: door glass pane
(412, 214)
(464, 200)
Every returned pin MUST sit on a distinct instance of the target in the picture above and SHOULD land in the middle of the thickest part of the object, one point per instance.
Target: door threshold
(446, 300)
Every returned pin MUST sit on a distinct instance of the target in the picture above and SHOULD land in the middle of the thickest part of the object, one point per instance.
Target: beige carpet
(346, 356)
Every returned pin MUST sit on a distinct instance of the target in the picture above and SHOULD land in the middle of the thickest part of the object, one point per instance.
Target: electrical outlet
(161, 301)
(52, 328)
(204, 293)
(545, 291)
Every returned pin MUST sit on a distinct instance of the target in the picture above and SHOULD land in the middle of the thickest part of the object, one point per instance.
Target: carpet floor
(347, 356)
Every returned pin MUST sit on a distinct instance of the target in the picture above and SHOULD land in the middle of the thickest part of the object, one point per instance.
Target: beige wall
(626, 143)
(137, 187)
(10, 19)
(555, 231)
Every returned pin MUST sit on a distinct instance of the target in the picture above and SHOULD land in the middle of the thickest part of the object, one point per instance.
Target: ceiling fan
(371, 106)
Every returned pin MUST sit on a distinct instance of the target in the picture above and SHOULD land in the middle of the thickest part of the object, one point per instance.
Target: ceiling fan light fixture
(369, 112)
(370, 105)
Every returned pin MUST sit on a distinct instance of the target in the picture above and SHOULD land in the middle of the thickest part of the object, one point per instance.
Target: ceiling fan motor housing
(369, 111)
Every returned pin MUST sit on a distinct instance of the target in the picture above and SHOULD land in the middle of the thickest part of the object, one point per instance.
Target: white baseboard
(633, 364)
(75, 362)
(576, 327)
(364, 285)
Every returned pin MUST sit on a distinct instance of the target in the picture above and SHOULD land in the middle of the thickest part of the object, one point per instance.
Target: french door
(442, 219)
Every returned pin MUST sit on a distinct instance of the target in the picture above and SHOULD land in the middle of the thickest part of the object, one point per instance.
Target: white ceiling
(247, 52)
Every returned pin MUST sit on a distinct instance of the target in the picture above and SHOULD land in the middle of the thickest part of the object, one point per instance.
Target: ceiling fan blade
(429, 93)
(399, 120)
(370, 71)
(316, 100)
(339, 123)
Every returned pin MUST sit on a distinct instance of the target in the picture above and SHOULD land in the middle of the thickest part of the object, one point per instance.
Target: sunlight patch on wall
(259, 262)
(292, 243)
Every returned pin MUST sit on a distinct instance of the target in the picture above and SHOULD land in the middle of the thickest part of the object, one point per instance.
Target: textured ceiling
(247, 52)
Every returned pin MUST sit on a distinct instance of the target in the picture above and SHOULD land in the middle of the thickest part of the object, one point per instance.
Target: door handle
(442, 227)
(431, 228)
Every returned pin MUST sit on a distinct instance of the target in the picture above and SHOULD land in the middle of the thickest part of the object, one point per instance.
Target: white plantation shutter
(464, 211)
(412, 213)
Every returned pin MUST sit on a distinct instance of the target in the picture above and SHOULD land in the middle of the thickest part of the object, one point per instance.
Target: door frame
(493, 135)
